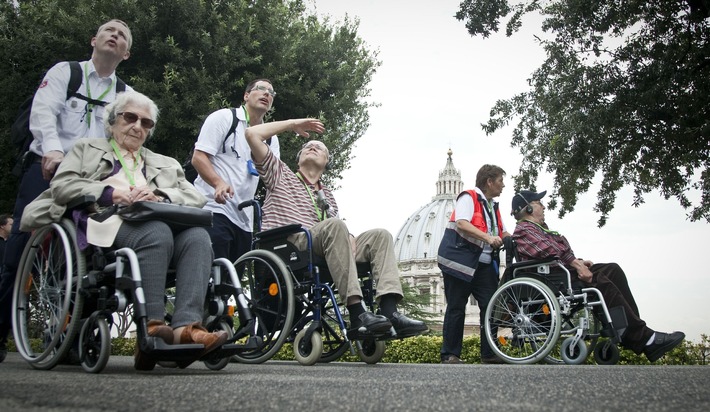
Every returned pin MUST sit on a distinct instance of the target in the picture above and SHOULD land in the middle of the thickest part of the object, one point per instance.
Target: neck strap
(130, 173)
(319, 212)
(548, 231)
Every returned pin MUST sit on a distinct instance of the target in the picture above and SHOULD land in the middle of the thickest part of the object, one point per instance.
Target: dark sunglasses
(131, 118)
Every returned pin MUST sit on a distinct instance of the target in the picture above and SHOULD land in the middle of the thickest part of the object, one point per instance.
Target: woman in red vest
(467, 261)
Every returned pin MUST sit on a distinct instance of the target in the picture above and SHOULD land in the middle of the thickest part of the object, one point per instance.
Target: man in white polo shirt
(226, 172)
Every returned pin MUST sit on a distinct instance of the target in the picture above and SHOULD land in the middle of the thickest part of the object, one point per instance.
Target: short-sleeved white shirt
(230, 164)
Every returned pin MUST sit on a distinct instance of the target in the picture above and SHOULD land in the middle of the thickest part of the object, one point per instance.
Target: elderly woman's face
(132, 127)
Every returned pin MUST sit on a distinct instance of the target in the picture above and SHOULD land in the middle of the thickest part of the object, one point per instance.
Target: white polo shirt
(231, 165)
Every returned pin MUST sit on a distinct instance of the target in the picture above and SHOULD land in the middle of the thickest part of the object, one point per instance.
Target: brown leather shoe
(196, 333)
(156, 328)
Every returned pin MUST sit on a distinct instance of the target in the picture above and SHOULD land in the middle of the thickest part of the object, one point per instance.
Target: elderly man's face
(315, 151)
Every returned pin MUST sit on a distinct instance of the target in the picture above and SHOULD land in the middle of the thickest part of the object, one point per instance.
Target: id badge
(251, 168)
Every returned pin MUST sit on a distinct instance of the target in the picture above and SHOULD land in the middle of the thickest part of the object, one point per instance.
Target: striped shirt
(532, 242)
(287, 199)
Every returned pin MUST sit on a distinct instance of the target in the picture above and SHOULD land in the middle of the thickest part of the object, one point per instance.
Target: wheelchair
(64, 303)
(318, 331)
(538, 313)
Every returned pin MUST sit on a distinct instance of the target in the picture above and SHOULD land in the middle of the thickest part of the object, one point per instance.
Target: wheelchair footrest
(229, 349)
(159, 350)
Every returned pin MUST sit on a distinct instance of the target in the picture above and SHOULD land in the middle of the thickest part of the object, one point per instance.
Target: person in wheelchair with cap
(301, 198)
(536, 241)
(118, 170)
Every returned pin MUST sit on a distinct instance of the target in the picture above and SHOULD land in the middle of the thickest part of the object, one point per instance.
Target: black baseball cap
(524, 197)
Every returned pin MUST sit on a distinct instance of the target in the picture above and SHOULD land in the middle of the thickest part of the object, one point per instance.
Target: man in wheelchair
(301, 198)
(536, 241)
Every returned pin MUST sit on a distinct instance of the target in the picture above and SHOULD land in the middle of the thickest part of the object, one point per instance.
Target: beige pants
(331, 240)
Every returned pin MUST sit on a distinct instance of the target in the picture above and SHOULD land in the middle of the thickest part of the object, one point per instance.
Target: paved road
(288, 386)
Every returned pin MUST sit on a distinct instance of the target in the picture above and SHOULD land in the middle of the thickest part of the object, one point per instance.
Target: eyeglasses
(260, 88)
(318, 146)
(131, 118)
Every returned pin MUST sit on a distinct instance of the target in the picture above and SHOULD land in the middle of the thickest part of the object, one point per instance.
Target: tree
(193, 57)
(623, 93)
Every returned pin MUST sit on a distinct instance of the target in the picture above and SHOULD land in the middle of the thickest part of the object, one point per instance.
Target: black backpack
(20, 134)
(189, 169)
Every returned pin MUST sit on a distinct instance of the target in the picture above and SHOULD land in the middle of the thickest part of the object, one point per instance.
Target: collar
(93, 73)
(480, 193)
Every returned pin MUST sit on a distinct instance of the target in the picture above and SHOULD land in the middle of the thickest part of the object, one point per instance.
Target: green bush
(425, 349)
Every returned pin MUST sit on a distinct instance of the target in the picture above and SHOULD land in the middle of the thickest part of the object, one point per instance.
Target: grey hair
(124, 99)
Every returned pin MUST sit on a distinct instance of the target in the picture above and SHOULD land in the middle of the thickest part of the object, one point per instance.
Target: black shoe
(452, 360)
(371, 325)
(663, 343)
(406, 327)
(492, 360)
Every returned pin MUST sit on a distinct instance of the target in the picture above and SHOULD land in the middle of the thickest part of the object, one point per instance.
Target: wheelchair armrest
(81, 202)
(536, 262)
(278, 232)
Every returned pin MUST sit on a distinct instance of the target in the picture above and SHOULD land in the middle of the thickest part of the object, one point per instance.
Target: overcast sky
(436, 86)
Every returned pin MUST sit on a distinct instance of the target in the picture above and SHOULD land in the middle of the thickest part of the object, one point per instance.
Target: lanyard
(491, 214)
(129, 173)
(90, 106)
(246, 114)
(548, 231)
(319, 213)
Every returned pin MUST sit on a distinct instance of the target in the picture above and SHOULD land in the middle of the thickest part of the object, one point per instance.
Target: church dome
(421, 234)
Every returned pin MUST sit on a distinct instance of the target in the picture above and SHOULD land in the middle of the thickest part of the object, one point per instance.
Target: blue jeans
(457, 292)
(228, 240)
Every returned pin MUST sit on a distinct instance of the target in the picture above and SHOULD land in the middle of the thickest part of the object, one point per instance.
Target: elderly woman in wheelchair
(120, 171)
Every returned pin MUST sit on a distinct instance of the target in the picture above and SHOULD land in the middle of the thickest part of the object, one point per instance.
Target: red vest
(479, 218)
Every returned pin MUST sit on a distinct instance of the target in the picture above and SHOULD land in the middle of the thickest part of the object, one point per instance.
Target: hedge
(425, 349)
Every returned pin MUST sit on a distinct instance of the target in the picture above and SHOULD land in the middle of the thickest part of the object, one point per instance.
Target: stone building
(417, 243)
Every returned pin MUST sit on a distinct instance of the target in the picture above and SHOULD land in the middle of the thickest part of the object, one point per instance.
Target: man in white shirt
(56, 123)
(227, 175)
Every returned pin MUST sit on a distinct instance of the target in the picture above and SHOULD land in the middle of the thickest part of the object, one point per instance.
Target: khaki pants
(331, 240)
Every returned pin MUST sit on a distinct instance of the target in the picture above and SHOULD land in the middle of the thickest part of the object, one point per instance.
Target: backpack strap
(232, 129)
(120, 85)
(75, 80)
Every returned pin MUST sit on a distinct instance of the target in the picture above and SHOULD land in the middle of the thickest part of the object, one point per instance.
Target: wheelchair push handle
(257, 211)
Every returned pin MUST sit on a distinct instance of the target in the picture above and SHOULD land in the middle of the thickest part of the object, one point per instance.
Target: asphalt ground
(288, 386)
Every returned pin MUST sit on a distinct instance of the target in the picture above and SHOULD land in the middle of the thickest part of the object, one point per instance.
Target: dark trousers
(611, 281)
(31, 186)
(228, 240)
(457, 292)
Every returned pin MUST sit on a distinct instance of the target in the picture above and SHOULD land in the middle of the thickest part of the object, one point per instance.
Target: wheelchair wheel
(307, 353)
(371, 351)
(94, 344)
(606, 353)
(268, 289)
(573, 354)
(522, 322)
(46, 304)
(334, 345)
(219, 364)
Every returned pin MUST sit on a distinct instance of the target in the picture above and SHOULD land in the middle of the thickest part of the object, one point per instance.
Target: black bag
(178, 217)
(20, 134)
